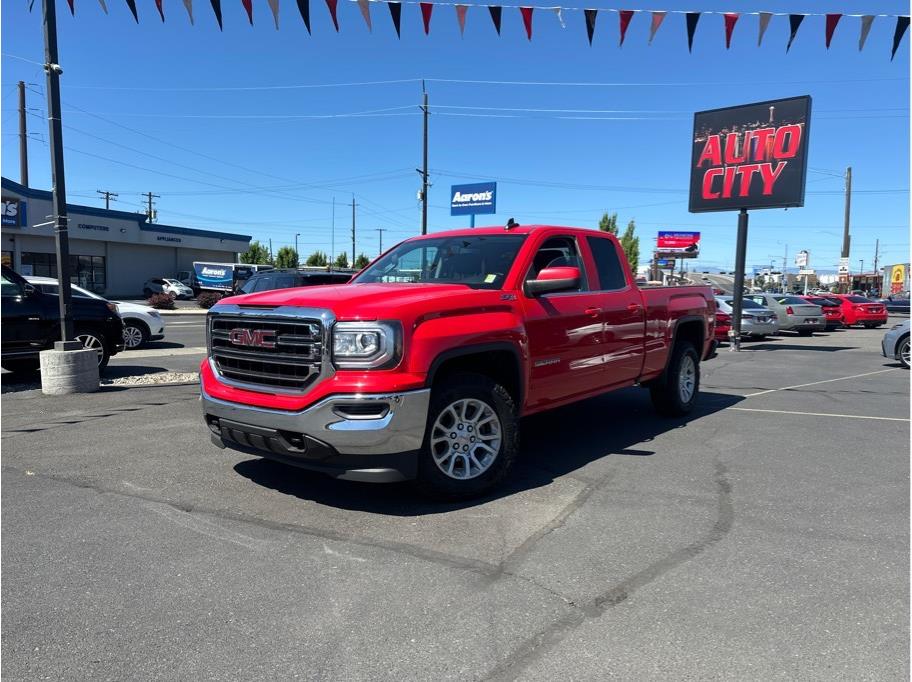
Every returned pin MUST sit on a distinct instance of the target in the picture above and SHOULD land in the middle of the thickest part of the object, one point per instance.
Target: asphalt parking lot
(764, 537)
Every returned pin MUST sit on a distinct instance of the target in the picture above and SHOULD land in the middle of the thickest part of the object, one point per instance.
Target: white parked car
(141, 323)
(159, 285)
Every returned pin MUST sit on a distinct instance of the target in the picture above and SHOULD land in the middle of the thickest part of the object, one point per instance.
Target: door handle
(593, 312)
(634, 307)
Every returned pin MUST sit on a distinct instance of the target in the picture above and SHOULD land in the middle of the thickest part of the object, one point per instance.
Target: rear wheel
(805, 332)
(873, 325)
(22, 367)
(135, 334)
(676, 392)
(147, 292)
(95, 340)
(903, 352)
(471, 440)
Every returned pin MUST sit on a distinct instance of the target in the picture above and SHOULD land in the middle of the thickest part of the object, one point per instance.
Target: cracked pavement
(755, 539)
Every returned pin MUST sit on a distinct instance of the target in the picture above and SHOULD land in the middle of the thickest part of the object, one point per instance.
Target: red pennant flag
(657, 19)
(496, 11)
(461, 17)
(72, 7)
(426, 9)
(625, 16)
(831, 21)
(527, 20)
(248, 5)
(731, 18)
(161, 12)
(332, 11)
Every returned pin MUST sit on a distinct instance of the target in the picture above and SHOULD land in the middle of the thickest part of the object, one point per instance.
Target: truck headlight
(366, 345)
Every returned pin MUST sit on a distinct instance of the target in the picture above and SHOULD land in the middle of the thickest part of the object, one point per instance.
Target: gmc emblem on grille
(258, 338)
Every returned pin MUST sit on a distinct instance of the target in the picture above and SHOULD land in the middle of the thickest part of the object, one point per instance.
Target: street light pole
(297, 255)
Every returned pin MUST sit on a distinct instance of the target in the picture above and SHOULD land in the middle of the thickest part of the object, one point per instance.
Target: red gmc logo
(258, 338)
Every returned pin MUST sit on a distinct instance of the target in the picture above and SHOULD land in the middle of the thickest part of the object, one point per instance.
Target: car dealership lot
(765, 537)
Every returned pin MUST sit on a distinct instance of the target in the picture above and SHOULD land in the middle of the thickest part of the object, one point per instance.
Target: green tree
(287, 257)
(341, 260)
(361, 261)
(631, 245)
(609, 223)
(256, 254)
(317, 259)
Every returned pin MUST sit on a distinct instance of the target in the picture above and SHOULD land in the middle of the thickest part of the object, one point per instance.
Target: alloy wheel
(133, 337)
(466, 438)
(92, 342)
(687, 379)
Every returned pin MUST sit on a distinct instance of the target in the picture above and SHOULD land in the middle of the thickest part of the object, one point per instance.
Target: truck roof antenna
(511, 224)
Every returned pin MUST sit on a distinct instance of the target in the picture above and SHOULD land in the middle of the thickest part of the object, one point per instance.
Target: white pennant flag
(866, 22)
(189, 5)
(274, 6)
(366, 13)
(764, 23)
(560, 17)
(103, 6)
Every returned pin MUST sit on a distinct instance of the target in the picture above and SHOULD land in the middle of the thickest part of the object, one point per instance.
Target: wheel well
(692, 332)
(136, 322)
(500, 365)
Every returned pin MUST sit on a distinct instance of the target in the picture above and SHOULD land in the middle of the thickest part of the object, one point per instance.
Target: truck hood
(373, 301)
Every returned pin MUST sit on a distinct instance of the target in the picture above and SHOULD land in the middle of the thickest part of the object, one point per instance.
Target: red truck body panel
(569, 345)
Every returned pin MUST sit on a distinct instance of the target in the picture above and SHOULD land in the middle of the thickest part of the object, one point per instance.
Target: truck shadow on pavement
(554, 444)
(794, 346)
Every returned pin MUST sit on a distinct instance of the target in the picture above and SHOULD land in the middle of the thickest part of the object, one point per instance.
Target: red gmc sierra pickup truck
(421, 366)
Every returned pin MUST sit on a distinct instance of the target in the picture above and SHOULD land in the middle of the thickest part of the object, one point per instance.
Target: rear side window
(283, 281)
(791, 300)
(610, 272)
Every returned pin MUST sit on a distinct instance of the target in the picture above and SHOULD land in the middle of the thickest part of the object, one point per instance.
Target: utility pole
(23, 138)
(876, 254)
(61, 220)
(108, 197)
(332, 256)
(270, 249)
(381, 230)
(846, 239)
(149, 196)
(297, 255)
(353, 227)
(424, 166)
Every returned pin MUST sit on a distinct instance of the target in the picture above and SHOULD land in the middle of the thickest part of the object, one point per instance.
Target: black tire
(805, 332)
(872, 325)
(147, 292)
(902, 352)
(667, 395)
(21, 367)
(137, 333)
(450, 390)
(104, 353)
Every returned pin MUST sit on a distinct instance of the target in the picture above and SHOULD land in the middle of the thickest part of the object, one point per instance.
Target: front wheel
(135, 334)
(676, 392)
(903, 352)
(471, 440)
(95, 340)
(29, 366)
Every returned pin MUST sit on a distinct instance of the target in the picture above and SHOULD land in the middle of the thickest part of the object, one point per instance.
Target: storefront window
(86, 271)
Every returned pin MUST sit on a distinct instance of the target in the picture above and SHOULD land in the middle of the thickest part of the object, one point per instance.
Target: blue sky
(160, 107)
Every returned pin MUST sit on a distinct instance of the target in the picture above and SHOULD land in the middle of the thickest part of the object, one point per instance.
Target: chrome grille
(268, 352)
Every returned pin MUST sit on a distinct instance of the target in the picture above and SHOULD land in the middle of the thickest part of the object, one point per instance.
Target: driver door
(565, 330)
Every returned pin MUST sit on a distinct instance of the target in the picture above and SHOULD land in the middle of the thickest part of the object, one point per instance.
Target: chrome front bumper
(335, 420)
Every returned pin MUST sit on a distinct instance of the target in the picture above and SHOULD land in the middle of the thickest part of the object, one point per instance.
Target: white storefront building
(111, 252)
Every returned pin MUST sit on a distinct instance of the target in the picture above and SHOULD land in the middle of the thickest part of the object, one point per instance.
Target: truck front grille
(272, 353)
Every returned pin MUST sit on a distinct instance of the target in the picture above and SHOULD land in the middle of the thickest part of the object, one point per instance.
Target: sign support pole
(734, 334)
(472, 221)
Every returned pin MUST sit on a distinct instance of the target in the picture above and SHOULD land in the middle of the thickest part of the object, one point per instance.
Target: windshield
(816, 300)
(174, 281)
(480, 262)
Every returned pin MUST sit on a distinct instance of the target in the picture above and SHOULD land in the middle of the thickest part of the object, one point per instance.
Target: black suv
(31, 323)
(286, 279)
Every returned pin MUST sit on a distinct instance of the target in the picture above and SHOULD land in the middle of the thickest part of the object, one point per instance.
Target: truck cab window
(610, 271)
(558, 252)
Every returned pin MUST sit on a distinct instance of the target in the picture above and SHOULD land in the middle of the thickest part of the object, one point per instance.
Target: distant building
(111, 252)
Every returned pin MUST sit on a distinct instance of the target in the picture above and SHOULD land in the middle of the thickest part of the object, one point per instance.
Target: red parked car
(832, 310)
(723, 325)
(860, 310)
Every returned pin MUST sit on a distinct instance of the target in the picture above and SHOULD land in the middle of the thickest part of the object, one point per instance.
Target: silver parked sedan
(756, 321)
(795, 314)
(895, 343)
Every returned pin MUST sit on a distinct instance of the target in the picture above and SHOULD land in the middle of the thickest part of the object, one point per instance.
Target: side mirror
(29, 289)
(549, 280)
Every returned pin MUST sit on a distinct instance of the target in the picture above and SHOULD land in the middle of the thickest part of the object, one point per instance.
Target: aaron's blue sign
(475, 199)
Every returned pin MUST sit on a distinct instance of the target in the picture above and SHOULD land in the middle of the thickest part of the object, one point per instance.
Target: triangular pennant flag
(657, 19)
(132, 5)
(794, 22)
(304, 9)
(395, 9)
(560, 16)
(248, 6)
(764, 22)
(831, 21)
(72, 7)
(591, 15)
(866, 22)
(161, 10)
(104, 7)
(692, 19)
(331, 4)
(426, 9)
(625, 15)
(460, 17)
(364, 6)
(527, 20)
(496, 12)
(274, 6)
(217, 8)
(902, 23)
(731, 18)
(32, 4)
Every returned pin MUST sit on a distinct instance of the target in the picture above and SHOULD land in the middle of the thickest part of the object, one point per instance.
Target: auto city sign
(474, 199)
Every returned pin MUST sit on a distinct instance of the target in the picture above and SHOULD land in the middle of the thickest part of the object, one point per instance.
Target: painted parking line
(815, 383)
(197, 323)
(821, 414)
(162, 352)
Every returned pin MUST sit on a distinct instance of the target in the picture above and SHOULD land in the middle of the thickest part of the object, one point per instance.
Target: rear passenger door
(623, 314)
